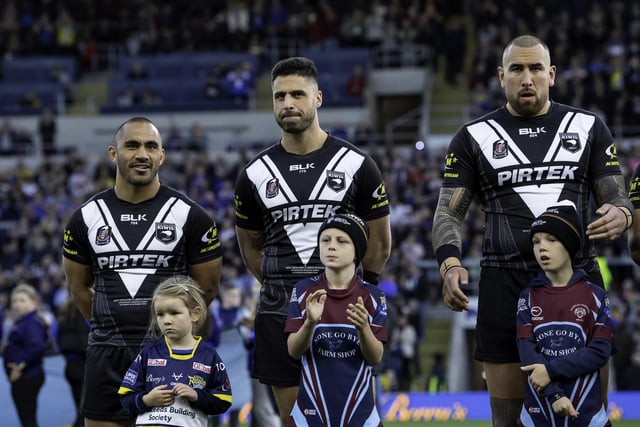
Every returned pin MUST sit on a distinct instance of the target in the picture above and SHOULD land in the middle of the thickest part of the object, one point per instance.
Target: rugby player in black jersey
(518, 160)
(118, 246)
(634, 196)
(282, 197)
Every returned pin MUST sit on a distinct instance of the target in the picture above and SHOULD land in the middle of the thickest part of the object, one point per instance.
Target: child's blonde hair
(187, 290)
(25, 288)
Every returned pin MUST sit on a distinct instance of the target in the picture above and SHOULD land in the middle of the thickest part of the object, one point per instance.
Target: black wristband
(627, 215)
(447, 251)
(370, 277)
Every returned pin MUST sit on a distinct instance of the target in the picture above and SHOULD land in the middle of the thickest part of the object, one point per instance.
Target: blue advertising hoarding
(474, 406)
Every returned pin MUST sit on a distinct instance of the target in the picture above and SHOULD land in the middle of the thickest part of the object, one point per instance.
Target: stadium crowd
(598, 49)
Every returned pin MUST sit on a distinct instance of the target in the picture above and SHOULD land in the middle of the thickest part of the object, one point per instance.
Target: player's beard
(296, 126)
(136, 179)
(529, 108)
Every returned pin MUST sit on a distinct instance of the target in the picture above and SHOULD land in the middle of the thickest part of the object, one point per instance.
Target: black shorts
(271, 361)
(499, 290)
(104, 372)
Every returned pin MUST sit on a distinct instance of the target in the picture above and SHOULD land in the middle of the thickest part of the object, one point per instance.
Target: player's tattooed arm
(453, 204)
(612, 189)
(615, 211)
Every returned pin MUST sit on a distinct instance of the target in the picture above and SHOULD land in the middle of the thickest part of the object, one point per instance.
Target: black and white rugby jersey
(634, 188)
(131, 249)
(288, 196)
(520, 166)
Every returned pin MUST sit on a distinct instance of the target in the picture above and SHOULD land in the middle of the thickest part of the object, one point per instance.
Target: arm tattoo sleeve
(612, 189)
(453, 204)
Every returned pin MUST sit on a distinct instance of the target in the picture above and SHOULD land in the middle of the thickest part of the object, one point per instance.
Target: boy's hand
(315, 305)
(539, 377)
(357, 314)
(564, 407)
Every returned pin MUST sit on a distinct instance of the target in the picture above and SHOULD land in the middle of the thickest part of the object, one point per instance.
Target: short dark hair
(137, 119)
(297, 65)
(526, 41)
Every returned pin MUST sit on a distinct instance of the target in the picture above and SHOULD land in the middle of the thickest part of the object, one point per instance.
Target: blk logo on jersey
(570, 141)
(336, 180)
(103, 235)
(272, 189)
(500, 149)
(133, 218)
(166, 233)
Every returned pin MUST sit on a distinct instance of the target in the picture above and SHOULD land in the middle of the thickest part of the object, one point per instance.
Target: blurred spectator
(24, 352)
(30, 99)
(174, 140)
(196, 138)
(213, 88)
(7, 137)
(238, 82)
(137, 71)
(231, 318)
(356, 82)
(47, 131)
(66, 32)
(59, 74)
(150, 97)
(128, 97)
(404, 349)
(23, 141)
(72, 338)
(436, 381)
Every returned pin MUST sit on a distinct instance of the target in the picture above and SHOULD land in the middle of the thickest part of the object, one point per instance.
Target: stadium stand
(31, 83)
(179, 82)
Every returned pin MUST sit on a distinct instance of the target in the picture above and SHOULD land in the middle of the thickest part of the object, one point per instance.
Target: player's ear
(112, 153)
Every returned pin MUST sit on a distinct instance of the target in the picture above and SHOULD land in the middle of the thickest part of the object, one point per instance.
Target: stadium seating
(12, 94)
(334, 68)
(178, 80)
(36, 74)
(38, 68)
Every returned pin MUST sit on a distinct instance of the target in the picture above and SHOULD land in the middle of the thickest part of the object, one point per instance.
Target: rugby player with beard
(517, 161)
(283, 195)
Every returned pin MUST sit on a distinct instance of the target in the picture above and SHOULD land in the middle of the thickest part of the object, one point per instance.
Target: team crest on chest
(272, 189)
(166, 233)
(570, 141)
(103, 235)
(336, 180)
(580, 311)
(500, 149)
